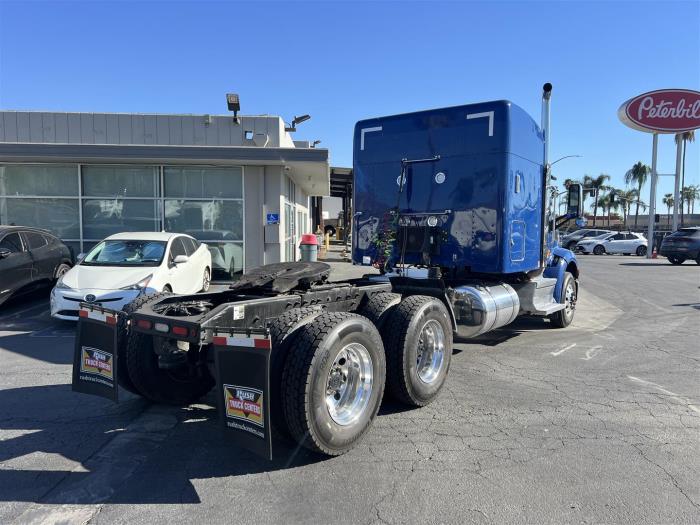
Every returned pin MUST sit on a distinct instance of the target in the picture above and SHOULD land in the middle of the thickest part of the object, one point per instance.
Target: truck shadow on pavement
(61, 447)
(520, 326)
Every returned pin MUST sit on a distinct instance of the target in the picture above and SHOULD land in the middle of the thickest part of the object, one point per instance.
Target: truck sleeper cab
(292, 354)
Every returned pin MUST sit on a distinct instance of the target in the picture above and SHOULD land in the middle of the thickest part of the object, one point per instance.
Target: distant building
(242, 186)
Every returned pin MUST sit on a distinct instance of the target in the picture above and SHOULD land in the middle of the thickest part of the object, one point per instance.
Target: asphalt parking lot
(596, 423)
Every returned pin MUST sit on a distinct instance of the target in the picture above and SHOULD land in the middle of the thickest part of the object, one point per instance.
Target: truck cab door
(517, 241)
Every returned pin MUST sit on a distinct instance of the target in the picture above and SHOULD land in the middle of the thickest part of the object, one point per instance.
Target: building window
(127, 200)
(290, 222)
(42, 196)
(202, 201)
(207, 203)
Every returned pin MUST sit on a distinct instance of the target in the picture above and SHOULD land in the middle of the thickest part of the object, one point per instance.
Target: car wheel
(599, 250)
(206, 280)
(674, 259)
(61, 270)
(167, 289)
(641, 251)
(571, 245)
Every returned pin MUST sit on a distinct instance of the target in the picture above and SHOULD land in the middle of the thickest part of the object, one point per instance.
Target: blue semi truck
(456, 209)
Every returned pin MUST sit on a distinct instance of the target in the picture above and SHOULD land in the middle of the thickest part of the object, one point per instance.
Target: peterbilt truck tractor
(454, 206)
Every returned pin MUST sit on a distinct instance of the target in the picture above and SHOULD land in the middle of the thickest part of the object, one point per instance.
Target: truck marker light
(144, 323)
(98, 316)
(251, 342)
(180, 330)
(161, 327)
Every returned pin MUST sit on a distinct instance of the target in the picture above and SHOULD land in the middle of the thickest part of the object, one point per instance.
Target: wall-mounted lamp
(234, 104)
(315, 142)
(297, 120)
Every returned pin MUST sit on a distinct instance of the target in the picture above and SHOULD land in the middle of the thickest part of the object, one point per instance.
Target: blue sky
(345, 61)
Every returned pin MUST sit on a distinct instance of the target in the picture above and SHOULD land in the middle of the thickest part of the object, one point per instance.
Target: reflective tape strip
(251, 342)
(98, 316)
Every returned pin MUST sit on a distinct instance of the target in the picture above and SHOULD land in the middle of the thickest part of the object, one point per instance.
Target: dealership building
(240, 184)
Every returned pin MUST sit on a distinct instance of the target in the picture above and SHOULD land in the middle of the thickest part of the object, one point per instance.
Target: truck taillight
(180, 330)
(144, 323)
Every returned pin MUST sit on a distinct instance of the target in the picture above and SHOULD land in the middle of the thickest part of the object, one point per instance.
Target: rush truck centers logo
(662, 111)
(96, 362)
(245, 404)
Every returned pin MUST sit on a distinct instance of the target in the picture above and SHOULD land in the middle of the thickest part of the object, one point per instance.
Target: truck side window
(12, 243)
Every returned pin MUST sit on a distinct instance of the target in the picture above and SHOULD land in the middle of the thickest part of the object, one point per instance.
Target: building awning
(308, 167)
(341, 182)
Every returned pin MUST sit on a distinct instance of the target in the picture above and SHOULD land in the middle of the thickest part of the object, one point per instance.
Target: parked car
(123, 266)
(569, 241)
(682, 245)
(622, 242)
(30, 258)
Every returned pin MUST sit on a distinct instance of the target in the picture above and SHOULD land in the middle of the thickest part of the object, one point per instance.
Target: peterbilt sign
(662, 111)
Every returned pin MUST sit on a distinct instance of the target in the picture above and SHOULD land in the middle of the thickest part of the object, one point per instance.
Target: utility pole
(652, 198)
(676, 192)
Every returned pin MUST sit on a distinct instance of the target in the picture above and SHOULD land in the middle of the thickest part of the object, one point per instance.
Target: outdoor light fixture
(297, 120)
(234, 104)
(315, 143)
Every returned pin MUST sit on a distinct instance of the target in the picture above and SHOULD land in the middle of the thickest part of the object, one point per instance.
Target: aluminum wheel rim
(570, 299)
(62, 271)
(207, 280)
(349, 384)
(431, 351)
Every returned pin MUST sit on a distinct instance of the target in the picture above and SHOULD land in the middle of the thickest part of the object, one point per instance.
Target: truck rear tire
(418, 339)
(333, 382)
(378, 308)
(171, 387)
(123, 377)
(563, 318)
(283, 332)
(179, 386)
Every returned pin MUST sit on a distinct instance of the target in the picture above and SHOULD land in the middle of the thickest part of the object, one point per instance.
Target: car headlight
(139, 285)
(61, 285)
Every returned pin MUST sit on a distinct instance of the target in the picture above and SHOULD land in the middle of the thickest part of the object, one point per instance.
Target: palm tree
(626, 197)
(596, 184)
(668, 201)
(689, 194)
(687, 136)
(638, 175)
(607, 206)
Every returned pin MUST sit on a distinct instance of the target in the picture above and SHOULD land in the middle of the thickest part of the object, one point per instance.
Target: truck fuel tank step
(537, 296)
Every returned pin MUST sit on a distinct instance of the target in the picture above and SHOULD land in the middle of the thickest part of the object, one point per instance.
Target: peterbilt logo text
(668, 109)
(663, 111)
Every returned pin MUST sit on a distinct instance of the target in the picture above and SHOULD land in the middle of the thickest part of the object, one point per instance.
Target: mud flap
(243, 388)
(95, 357)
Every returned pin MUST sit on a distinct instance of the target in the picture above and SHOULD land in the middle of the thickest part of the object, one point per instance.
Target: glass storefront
(83, 204)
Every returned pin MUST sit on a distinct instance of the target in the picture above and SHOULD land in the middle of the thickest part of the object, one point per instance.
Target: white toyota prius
(126, 265)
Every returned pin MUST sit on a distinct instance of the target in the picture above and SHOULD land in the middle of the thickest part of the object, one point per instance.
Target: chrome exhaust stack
(546, 101)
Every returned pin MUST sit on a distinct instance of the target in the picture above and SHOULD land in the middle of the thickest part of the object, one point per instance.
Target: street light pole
(676, 193)
(652, 197)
